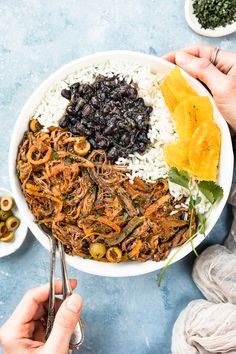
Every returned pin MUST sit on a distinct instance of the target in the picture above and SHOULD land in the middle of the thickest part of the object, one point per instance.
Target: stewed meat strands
(92, 207)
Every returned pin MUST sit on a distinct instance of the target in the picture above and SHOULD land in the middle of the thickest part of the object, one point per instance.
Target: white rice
(149, 166)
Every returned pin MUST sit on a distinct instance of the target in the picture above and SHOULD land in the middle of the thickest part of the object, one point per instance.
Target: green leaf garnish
(198, 200)
(212, 191)
(201, 223)
(179, 177)
(194, 201)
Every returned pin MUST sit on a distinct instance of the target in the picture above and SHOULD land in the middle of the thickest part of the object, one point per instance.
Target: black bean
(109, 130)
(125, 139)
(138, 119)
(74, 130)
(101, 96)
(73, 120)
(75, 87)
(66, 94)
(80, 103)
(92, 142)
(149, 109)
(110, 113)
(102, 142)
(81, 88)
(112, 153)
(139, 101)
(132, 92)
(74, 98)
(95, 101)
(71, 110)
(64, 121)
(86, 110)
(141, 147)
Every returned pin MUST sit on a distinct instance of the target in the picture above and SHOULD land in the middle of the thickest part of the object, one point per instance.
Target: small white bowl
(7, 248)
(195, 25)
(129, 268)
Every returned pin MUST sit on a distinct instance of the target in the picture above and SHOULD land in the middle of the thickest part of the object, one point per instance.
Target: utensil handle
(78, 334)
(51, 305)
(66, 287)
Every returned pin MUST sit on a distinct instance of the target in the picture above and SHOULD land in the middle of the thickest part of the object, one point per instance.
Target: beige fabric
(214, 273)
(207, 327)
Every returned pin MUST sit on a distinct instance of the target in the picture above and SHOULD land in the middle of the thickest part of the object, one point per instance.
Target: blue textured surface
(122, 316)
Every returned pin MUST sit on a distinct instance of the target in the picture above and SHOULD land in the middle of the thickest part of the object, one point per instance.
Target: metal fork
(78, 334)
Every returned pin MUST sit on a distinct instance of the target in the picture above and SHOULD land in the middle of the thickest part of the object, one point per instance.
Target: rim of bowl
(123, 269)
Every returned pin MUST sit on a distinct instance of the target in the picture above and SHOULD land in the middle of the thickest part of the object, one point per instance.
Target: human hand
(220, 78)
(24, 333)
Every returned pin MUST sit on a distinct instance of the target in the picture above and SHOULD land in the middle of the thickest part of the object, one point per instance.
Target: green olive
(34, 125)
(97, 250)
(12, 223)
(3, 228)
(82, 147)
(6, 203)
(8, 237)
(114, 254)
(5, 214)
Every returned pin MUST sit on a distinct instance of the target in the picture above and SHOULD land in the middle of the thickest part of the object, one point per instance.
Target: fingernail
(73, 303)
(182, 58)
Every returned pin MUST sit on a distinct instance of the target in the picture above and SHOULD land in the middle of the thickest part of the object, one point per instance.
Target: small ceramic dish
(195, 25)
(7, 248)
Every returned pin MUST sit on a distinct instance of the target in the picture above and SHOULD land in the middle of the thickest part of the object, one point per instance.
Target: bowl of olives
(12, 229)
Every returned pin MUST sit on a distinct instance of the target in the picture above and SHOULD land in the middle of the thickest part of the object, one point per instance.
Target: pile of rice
(149, 166)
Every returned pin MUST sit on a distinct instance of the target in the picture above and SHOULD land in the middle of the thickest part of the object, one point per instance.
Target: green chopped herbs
(55, 155)
(179, 177)
(91, 190)
(214, 13)
(137, 201)
(125, 214)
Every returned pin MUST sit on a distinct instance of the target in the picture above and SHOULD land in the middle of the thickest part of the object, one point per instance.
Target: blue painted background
(122, 316)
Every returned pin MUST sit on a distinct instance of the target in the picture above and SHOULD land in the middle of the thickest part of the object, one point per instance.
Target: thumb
(202, 69)
(65, 321)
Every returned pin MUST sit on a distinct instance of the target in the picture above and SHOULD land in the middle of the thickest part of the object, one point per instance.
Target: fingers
(65, 321)
(170, 57)
(31, 306)
(202, 69)
(224, 60)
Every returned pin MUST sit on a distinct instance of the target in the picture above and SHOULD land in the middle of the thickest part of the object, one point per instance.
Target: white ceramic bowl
(195, 25)
(7, 248)
(129, 268)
